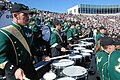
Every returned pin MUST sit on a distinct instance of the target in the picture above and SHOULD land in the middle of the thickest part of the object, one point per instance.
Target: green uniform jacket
(98, 36)
(19, 59)
(50, 25)
(55, 40)
(56, 43)
(114, 65)
(66, 27)
(75, 31)
(102, 62)
(70, 36)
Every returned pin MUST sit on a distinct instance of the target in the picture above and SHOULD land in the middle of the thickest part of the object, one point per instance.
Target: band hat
(102, 27)
(20, 8)
(105, 41)
(56, 22)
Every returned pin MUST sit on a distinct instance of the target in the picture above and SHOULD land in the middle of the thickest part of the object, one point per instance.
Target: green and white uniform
(102, 63)
(114, 65)
(56, 43)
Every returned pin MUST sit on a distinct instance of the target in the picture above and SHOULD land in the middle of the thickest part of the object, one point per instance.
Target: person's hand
(19, 74)
(47, 58)
(63, 49)
(70, 45)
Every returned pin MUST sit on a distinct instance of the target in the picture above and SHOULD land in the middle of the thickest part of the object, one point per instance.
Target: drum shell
(57, 69)
(76, 58)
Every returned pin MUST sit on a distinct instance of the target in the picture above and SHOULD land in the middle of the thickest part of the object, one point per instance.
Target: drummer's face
(22, 18)
(59, 27)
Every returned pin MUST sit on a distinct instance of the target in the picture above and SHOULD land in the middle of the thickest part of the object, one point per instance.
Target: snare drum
(87, 51)
(76, 72)
(79, 48)
(88, 45)
(49, 76)
(86, 56)
(79, 45)
(60, 65)
(75, 57)
(66, 78)
(90, 39)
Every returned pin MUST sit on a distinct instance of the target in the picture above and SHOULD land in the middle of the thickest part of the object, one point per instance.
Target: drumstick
(71, 50)
(59, 57)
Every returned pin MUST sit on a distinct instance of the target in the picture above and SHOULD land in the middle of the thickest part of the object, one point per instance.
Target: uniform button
(11, 67)
(15, 42)
(19, 60)
(17, 48)
(21, 51)
(18, 54)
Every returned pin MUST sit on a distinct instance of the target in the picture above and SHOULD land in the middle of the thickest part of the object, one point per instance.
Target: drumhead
(86, 54)
(73, 71)
(63, 63)
(75, 56)
(66, 78)
(64, 60)
(79, 48)
(46, 33)
(76, 51)
(87, 51)
(90, 43)
(49, 76)
(79, 45)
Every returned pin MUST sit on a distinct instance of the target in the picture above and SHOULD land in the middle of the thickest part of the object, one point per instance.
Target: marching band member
(56, 40)
(70, 36)
(15, 39)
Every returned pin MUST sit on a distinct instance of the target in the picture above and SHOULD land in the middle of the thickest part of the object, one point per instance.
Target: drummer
(75, 31)
(56, 41)
(39, 43)
(70, 36)
(101, 33)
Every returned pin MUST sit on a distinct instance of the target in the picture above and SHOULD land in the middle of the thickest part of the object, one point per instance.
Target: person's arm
(53, 41)
(4, 61)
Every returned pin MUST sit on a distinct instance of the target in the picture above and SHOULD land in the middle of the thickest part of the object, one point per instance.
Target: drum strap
(19, 36)
(59, 36)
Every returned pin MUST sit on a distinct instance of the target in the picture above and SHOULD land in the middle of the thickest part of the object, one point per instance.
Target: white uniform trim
(54, 45)
(70, 38)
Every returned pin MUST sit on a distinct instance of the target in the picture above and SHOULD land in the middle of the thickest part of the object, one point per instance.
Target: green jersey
(102, 63)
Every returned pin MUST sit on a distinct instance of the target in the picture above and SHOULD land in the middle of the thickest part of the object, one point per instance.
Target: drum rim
(73, 57)
(66, 78)
(57, 65)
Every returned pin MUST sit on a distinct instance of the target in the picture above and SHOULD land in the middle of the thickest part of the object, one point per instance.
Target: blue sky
(61, 6)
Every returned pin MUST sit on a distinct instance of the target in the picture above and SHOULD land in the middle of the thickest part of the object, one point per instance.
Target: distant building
(94, 9)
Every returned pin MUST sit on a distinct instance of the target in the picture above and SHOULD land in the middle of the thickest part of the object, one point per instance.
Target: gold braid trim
(3, 64)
